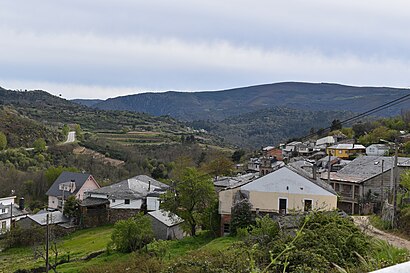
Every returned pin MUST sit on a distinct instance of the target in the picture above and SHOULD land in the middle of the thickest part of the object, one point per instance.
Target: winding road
(70, 137)
(364, 224)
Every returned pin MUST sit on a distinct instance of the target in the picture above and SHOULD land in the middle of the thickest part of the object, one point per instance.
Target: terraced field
(139, 138)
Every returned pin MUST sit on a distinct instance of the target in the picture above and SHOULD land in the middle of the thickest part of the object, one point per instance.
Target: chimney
(149, 185)
(314, 171)
(21, 203)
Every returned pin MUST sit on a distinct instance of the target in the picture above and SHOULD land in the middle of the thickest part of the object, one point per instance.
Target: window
(307, 205)
(113, 200)
(227, 228)
(3, 225)
(127, 201)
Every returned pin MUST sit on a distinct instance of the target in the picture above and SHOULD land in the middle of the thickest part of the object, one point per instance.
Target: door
(283, 204)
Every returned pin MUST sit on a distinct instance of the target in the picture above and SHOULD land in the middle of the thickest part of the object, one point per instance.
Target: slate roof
(78, 178)
(286, 180)
(363, 168)
(348, 146)
(167, 218)
(91, 201)
(17, 212)
(132, 188)
(56, 217)
(235, 181)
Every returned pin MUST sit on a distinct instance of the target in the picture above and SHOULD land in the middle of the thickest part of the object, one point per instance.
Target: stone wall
(115, 215)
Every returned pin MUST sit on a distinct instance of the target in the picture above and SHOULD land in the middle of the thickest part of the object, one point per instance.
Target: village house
(122, 200)
(279, 192)
(345, 151)
(40, 219)
(224, 182)
(377, 150)
(166, 225)
(10, 212)
(67, 184)
(366, 179)
(290, 149)
(271, 151)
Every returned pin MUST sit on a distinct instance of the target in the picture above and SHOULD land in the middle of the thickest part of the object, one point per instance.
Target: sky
(102, 49)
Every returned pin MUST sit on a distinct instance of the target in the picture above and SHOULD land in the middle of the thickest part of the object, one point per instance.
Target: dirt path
(363, 223)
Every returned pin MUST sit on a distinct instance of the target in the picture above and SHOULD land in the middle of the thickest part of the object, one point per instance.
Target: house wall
(269, 201)
(52, 202)
(344, 153)
(153, 203)
(88, 185)
(226, 200)
(175, 232)
(120, 204)
(160, 230)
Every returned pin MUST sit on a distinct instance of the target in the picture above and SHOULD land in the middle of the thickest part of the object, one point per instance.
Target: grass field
(84, 242)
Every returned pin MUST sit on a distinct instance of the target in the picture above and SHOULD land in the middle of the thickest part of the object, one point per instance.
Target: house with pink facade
(67, 184)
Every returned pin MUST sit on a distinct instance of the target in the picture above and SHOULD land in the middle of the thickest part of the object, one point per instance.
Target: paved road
(70, 137)
(363, 223)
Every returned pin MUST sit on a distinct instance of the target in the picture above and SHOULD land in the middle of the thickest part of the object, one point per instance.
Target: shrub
(241, 215)
(132, 234)
(18, 236)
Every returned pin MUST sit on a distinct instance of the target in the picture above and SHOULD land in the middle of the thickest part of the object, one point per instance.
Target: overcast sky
(101, 48)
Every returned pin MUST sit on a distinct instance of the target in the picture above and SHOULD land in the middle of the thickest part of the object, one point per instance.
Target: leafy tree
(241, 215)
(132, 234)
(192, 194)
(406, 147)
(219, 166)
(39, 145)
(3, 141)
(53, 173)
(65, 130)
(78, 132)
(336, 125)
(237, 155)
(71, 207)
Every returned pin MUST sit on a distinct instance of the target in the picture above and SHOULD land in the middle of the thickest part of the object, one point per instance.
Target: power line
(366, 113)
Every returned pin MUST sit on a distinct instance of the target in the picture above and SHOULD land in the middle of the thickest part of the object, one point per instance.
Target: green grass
(84, 242)
(78, 245)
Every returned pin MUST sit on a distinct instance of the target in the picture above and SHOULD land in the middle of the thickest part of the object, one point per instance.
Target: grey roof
(235, 181)
(56, 217)
(17, 212)
(286, 180)
(363, 168)
(91, 201)
(78, 178)
(167, 218)
(133, 188)
(347, 146)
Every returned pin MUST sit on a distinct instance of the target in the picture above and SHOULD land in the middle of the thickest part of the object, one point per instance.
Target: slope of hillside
(270, 126)
(87, 102)
(218, 105)
(21, 131)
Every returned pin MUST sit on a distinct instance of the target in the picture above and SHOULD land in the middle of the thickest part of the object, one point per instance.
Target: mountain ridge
(222, 104)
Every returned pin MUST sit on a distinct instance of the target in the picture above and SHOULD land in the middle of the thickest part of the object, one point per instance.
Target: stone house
(366, 179)
(166, 226)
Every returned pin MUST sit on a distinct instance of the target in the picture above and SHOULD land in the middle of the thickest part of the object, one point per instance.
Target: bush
(18, 236)
(241, 215)
(132, 234)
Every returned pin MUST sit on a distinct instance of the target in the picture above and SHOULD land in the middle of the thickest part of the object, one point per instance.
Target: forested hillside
(219, 105)
(21, 131)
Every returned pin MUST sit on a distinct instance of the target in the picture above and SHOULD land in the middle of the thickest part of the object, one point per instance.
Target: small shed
(166, 225)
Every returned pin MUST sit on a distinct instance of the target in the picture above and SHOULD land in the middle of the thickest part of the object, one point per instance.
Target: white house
(377, 150)
(10, 212)
(70, 183)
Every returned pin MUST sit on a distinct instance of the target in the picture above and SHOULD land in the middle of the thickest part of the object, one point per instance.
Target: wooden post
(47, 241)
(395, 173)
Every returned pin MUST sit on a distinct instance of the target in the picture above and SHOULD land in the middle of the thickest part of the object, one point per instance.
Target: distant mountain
(219, 105)
(87, 102)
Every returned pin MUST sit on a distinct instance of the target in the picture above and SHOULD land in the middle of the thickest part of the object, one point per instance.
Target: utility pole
(395, 173)
(328, 169)
(47, 241)
(382, 184)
